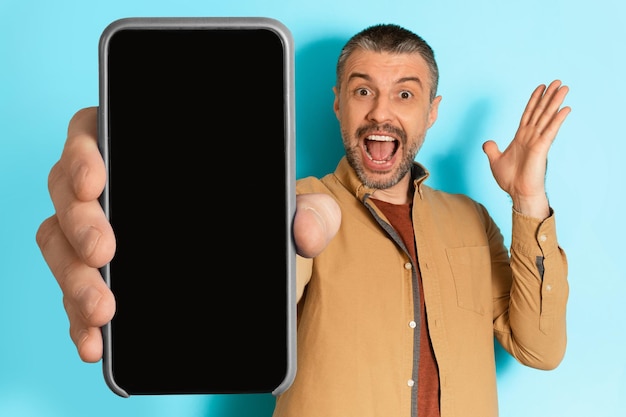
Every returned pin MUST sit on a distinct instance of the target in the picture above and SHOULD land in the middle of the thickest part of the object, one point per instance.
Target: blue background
(491, 55)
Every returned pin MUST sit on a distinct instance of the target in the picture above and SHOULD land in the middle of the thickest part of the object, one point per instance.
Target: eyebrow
(400, 81)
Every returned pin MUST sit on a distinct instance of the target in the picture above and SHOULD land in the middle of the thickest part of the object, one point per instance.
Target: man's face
(384, 110)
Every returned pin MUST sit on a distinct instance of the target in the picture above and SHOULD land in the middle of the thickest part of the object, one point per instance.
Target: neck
(401, 193)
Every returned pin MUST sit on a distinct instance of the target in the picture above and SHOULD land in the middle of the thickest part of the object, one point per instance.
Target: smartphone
(196, 128)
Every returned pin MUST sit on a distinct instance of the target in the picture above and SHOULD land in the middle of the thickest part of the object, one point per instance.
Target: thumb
(490, 148)
(316, 222)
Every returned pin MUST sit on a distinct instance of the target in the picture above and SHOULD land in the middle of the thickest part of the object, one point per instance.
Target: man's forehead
(365, 64)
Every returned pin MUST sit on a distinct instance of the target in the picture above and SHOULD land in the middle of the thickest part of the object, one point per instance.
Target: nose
(381, 110)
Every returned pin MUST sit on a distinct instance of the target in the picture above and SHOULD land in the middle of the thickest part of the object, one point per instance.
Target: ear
(336, 102)
(434, 111)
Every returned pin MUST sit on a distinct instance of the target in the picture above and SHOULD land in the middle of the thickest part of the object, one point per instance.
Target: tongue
(380, 151)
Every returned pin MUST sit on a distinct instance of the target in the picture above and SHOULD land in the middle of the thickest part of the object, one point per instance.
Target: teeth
(381, 138)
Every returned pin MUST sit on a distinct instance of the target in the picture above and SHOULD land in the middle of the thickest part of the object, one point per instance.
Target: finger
(83, 223)
(81, 160)
(316, 222)
(553, 127)
(81, 284)
(74, 183)
(542, 101)
(87, 339)
(548, 104)
(555, 102)
(88, 301)
(541, 97)
(490, 148)
(532, 104)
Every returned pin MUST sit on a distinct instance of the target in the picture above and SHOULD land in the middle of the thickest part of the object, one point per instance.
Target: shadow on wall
(318, 139)
(451, 168)
(243, 405)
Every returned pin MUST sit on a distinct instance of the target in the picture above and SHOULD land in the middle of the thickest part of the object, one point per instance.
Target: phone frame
(209, 23)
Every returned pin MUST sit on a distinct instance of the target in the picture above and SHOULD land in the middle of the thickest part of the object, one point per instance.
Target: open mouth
(380, 148)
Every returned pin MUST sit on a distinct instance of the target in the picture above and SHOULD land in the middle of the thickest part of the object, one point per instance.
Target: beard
(387, 179)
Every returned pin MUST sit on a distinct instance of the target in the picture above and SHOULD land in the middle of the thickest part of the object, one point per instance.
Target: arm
(531, 309)
(530, 322)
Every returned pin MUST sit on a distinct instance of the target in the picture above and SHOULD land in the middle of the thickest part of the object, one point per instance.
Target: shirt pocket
(471, 271)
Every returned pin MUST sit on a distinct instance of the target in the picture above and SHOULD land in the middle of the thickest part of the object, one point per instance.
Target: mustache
(384, 128)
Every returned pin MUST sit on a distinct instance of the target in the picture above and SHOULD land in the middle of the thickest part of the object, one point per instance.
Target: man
(401, 288)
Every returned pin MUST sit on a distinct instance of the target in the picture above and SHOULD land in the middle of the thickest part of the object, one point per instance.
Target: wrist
(537, 207)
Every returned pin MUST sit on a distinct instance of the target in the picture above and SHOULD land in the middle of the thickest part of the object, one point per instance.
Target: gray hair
(393, 39)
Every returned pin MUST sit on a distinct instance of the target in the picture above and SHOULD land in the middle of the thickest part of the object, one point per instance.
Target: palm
(520, 169)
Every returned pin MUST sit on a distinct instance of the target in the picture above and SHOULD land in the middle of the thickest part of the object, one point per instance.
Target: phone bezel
(209, 23)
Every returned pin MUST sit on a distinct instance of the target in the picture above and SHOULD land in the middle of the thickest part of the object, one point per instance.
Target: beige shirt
(358, 312)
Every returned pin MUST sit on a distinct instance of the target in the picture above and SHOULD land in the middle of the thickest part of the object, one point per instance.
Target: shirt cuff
(532, 235)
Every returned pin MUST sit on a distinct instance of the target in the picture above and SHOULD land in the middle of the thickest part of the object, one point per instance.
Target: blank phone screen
(196, 132)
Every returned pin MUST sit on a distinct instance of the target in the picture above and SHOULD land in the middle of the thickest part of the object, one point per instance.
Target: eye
(362, 92)
(405, 94)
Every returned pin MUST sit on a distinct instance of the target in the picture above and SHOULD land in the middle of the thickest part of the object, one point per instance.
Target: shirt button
(408, 265)
(412, 324)
(548, 287)
(543, 238)
(410, 382)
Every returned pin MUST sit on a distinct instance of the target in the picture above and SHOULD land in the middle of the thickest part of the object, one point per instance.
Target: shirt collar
(346, 175)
